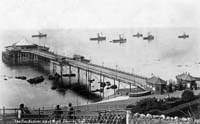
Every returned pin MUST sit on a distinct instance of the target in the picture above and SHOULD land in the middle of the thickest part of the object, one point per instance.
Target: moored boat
(36, 80)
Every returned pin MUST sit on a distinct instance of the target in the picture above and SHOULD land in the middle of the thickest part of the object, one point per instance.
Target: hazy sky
(98, 13)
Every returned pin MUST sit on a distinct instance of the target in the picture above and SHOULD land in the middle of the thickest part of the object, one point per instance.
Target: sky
(34, 14)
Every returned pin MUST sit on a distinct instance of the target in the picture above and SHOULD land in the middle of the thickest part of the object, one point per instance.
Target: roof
(185, 76)
(156, 80)
(23, 42)
(197, 78)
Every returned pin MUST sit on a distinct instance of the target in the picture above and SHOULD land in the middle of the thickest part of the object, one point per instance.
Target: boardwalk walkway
(118, 75)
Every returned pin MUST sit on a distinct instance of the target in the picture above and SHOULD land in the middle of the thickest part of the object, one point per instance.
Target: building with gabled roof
(156, 84)
(25, 44)
(22, 44)
(185, 80)
(16, 53)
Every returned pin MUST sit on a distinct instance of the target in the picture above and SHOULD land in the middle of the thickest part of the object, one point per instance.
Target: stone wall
(159, 119)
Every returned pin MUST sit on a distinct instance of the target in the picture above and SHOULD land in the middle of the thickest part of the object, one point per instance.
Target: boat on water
(36, 80)
(53, 76)
(184, 36)
(138, 35)
(69, 75)
(91, 80)
(99, 37)
(113, 86)
(149, 37)
(21, 77)
(120, 40)
(39, 35)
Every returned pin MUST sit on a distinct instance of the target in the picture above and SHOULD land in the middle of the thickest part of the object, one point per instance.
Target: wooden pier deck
(117, 75)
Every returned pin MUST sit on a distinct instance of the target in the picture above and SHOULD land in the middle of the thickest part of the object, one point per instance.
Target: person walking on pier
(71, 112)
(57, 113)
(23, 111)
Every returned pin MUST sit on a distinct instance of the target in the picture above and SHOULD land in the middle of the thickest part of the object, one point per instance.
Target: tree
(187, 95)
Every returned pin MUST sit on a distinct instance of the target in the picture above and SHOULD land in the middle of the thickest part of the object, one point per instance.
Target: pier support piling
(114, 89)
(118, 86)
(89, 79)
(86, 78)
(70, 71)
(4, 116)
(103, 87)
(54, 68)
(78, 75)
(100, 83)
(61, 72)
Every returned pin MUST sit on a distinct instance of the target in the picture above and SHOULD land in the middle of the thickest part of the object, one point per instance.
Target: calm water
(159, 57)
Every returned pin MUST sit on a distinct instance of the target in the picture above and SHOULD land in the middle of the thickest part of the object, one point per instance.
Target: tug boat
(149, 37)
(120, 40)
(99, 37)
(39, 35)
(36, 80)
(138, 35)
(184, 36)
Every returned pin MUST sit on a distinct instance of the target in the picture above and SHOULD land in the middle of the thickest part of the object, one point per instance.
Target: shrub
(187, 95)
(130, 106)
(145, 105)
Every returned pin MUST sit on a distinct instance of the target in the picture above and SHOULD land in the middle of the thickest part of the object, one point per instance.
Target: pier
(54, 63)
(114, 74)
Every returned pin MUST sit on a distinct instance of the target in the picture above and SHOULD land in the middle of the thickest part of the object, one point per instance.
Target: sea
(166, 56)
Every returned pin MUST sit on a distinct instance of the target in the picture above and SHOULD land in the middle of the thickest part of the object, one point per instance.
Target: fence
(48, 116)
(102, 106)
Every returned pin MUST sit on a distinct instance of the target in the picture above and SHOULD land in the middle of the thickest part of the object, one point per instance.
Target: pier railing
(123, 76)
(113, 75)
(104, 67)
(120, 71)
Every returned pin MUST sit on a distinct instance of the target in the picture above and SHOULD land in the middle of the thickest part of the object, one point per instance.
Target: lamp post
(77, 101)
(133, 79)
(102, 78)
(114, 81)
